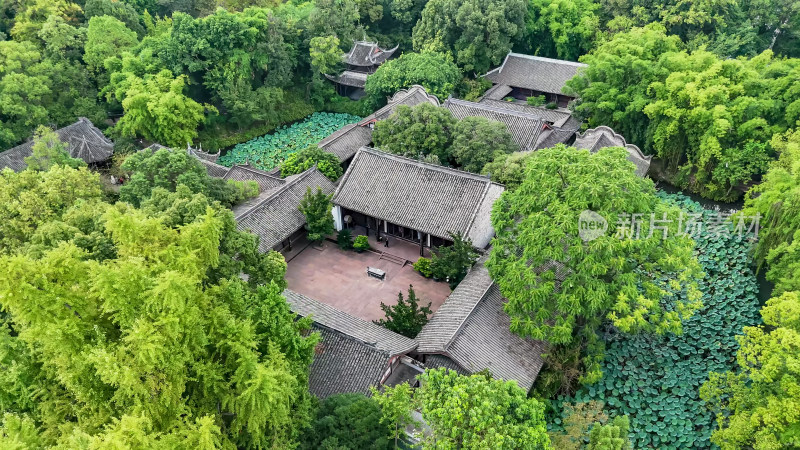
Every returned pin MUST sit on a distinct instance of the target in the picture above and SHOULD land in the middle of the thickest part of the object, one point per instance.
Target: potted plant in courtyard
(361, 243)
(423, 266)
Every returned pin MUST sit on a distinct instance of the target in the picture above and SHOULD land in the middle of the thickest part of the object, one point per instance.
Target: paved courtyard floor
(339, 278)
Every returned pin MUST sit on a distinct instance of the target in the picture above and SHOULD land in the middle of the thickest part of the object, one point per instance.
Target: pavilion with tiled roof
(415, 201)
(521, 76)
(84, 140)
(363, 59)
(470, 333)
(354, 354)
(596, 138)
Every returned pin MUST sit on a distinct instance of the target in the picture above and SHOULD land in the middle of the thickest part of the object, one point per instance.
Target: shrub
(361, 243)
(452, 263)
(299, 162)
(536, 100)
(551, 105)
(423, 266)
(406, 317)
(347, 421)
(344, 239)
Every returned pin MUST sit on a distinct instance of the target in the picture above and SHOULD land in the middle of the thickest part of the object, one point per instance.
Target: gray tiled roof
(367, 54)
(436, 361)
(523, 127)
(472, 329)
(345, 142)
(364, 331)
(558, 116)
(412, 96)
(276, 217)
(344, 365)
(603, 136)
(349, 78)
(85, 141)
(534, 72)
(199, 153)
(215, 170)
(266, 182)
(426, 197)
(554, 136)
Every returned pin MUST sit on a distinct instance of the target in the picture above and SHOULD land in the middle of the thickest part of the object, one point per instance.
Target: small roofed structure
(354, 354)
(412, 96)
(276, 219)
(363, 59)
(366, 56)
(415, 201)
(524, 127)
(84, 140)
(345, 142)
(522, 76)
(470, 333)
(596, 138)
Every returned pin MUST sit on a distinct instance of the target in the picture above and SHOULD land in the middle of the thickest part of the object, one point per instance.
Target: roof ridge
(279, 190)
(542, 58)
(249, 169)
(432, 166)
(493, 108)
(475, 213)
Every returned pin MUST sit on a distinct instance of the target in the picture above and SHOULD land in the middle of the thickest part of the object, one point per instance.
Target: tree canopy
(434, 71)
(561, 285)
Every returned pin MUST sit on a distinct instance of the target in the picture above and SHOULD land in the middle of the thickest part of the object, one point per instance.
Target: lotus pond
(269, 151)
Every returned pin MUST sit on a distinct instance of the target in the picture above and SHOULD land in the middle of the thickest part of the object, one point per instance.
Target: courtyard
(339, 278)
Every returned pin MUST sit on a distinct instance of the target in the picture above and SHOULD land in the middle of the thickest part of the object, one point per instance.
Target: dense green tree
(118, 9)
(434, 71)
(564, 29)
(613, 90)
(397, 404)
(61, 40)
(49, 151)
(777, 201)
(316, 207)
(417, 132)
(348, 422)
(30, 199)
(757, 406)
(326, 56)
(336, 18)
(299, 162)
(452, 262)
(405, 317)
(35, 90)
(478, 412)
(106, 37)
(610, 436)
(478, 33)
(562, 283)
(477, 141)
(508, 169)
(141, 351)
(578, 420)
(168, 169)
(31, 15)
(157, 109)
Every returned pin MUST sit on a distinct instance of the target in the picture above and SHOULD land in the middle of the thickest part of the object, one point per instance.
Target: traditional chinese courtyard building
(596, 138)
(414, 201)
(470, 333)
(363, 59)
(354, 354)
(522, 76)
(84, 140)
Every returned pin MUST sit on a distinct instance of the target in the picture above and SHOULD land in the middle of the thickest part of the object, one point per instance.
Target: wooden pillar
(421, 237)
